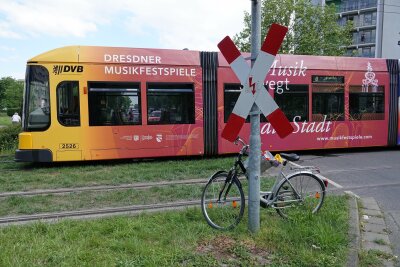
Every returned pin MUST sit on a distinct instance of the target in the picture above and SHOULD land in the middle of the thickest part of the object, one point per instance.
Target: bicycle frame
(280, 179)
(286, 192)
(271, 195)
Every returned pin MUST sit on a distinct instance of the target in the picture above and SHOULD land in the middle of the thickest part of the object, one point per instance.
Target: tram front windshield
(36, 115)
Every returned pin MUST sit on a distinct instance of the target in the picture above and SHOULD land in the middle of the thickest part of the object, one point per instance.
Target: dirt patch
(227, 250)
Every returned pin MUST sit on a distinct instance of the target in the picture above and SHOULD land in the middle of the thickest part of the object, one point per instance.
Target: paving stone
(371, 207)
(375, 228)
(371, 237)
(376, 213)
(374, 220)
(368, 200)
(370, 203)
(388, 263)
(372, 245)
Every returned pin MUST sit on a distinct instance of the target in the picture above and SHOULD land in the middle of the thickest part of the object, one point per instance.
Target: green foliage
(11, 95)
(9, 137)
(313, 30)
(11, 111)
(5, 120)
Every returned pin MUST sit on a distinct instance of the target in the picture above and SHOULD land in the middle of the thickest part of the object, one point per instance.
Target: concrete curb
(354, 234)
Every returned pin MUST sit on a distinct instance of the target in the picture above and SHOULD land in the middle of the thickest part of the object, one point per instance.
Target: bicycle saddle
(290, 157)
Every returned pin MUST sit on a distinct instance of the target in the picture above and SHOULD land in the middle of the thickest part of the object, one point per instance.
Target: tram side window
(113, 103)
(294, 102)
(170, 103)
(328, 102)
(231, 95)
(68, 103)
(367, 103)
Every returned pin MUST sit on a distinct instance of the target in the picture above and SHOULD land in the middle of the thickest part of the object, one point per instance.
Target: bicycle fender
(298, 172)
(215, 174)
(302, 172)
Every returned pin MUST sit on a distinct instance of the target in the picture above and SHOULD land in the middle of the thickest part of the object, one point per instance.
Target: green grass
(173, 238)
(18, 205)
(374, 258)
(181, 238)
(25, 176)
(5, 120)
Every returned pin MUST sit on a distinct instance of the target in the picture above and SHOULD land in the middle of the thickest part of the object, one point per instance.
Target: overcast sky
(30, 27)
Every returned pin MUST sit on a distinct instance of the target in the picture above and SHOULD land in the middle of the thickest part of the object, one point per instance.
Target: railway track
(95, 213)
(101, 188)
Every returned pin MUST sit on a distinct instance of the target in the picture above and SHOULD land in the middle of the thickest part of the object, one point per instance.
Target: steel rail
(95, 213)
(102, 188)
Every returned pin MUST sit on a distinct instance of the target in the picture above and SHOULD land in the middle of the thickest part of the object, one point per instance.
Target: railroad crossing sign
(252, 80)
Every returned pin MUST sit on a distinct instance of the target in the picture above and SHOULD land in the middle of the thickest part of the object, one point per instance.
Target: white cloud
(177, 24)
(5, 31)
(8, 58)
(7, 48)
(195, 24)
(54, 18)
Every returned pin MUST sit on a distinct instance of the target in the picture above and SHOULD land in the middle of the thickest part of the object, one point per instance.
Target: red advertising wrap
(329, 84)
(90, 103)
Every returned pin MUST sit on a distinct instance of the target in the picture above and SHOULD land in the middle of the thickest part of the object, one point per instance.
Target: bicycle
(299, 192)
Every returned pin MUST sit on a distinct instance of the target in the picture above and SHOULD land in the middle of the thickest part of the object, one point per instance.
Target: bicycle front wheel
(223, 202)
(300, 194)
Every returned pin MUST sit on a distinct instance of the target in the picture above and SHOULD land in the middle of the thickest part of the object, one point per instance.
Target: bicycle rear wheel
(223, 202)
(300, 194)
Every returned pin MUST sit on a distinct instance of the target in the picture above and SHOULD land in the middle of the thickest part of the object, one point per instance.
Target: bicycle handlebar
(244, 145)
(238, 139)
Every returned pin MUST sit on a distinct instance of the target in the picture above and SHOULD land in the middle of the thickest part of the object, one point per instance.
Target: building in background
(318, 2)
(376, 26)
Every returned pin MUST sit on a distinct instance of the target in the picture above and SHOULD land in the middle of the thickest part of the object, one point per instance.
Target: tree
(11, 94)
(313, 30)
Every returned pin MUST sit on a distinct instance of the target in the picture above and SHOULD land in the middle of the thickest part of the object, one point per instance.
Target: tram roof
(119, 55)
(152, 56)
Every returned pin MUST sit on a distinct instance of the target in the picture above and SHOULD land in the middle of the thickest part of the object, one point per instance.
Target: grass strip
(17, 205)
(22, 176)
(181, 238)
(27, 205)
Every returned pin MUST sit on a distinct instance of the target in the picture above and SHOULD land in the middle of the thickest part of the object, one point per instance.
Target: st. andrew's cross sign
(252, 80)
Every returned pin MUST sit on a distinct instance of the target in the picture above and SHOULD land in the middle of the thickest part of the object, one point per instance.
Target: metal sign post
(255, 139)
(255, 97)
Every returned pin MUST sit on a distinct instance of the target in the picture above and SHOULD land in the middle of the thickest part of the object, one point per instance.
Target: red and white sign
(252, 80)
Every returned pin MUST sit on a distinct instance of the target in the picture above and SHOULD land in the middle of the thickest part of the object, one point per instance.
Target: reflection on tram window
(328, 102)
(367, 103)
(68, 103)
(170, 103)
(114, 104)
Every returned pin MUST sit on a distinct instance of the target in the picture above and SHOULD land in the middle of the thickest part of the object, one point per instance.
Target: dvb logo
(58, 69)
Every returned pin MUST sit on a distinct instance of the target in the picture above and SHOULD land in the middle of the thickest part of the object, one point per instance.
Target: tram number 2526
(69, 146)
